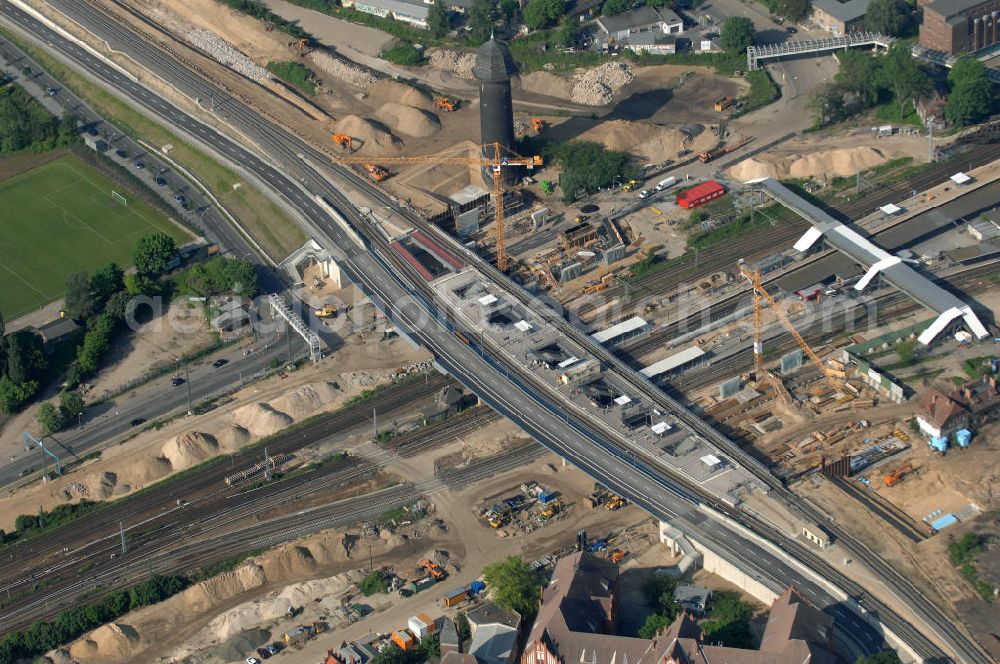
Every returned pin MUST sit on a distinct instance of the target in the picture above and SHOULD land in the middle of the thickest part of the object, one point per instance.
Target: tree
(829, 105)
(463, 627)
(906, 352)
(860, 72)
(654, 623)
(737, 35)
(437, 19)
(25, 357)
(404, 53)
(730, 621)
(884, 657)
(481, 18)
(79, 302)
(104, 283)
(889, 17)
(152, 253)
(513, 585)
(904, 75)
(794, 10)
(612, 7)
(373, 583)
(509, 10)
(49, 418)
(3, 326)
(140, 284)
(70, 405)
(95, 343)
(569, 32)
(972, 94)
(540, 14)
(14, 395)
(117, 305)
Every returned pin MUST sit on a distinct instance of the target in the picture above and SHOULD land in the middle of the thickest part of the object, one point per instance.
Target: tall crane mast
(754, 277)
(493, 157)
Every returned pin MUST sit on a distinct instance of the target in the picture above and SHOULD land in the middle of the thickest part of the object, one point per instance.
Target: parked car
(121, 154)
(264, 653)
(139, 165)
(180, 199)
(791, 30)
(160, 182)
(252, 660)
(644, 193)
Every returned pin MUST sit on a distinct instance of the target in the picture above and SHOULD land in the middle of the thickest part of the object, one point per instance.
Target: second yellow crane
(493, 157)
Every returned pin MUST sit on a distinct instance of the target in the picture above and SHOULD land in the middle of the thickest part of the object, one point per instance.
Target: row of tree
(22, 363)
(26, 125)
(865, 80)
(43, 636)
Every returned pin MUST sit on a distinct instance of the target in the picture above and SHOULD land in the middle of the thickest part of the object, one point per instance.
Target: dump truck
(723, 104)
(709, 155)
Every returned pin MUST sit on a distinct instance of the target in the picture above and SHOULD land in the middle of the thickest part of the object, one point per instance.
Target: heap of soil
(189, 449)
(408, 120)
(203, 596)
(373, 137)
(400, 93)
(546, 83)
(306, 400)
(111, 641)
(234, 437)
(261, 419)
(237, 646)
(650, 142)
(829, 163)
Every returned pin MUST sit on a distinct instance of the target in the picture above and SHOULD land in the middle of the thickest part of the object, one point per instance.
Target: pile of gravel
(347, 73)
(597, 86)
(220, 50)
(454, 61)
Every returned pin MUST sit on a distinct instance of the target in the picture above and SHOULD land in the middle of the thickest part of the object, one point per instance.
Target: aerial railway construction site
(795, 377)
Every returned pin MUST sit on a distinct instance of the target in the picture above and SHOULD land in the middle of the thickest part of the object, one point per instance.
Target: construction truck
(709, 155)
(377, 173)
(614, 503)
(498, 515)
(631, 185)
(328, 311)
(723, 104)
(343, 140)
(594, 288)
(895, 476)
(538, 125)
(552, 508)
(446, 104)
(433, 569)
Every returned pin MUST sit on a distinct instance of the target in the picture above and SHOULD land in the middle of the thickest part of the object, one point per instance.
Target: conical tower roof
(493, 63)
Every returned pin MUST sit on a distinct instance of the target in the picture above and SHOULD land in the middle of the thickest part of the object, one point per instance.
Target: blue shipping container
(546, 496)
(477, 587)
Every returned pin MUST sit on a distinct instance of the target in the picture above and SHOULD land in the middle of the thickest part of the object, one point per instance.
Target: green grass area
(889, 112)
(294, 73)
(269, 225)
(59, 218)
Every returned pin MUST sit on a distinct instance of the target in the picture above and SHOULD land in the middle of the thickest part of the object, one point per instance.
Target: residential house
(839, 18)
(620, 28)
(55, 331)
(692, 599)
(413, 12)
(653, 43)
(579, 610)
(494, 634)
(448, 637)
(939, 416)
(980, 398)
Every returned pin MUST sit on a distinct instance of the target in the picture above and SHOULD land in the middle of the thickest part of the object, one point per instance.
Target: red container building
(700, 194)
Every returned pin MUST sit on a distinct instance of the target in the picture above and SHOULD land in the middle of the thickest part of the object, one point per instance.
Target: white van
(666, 183)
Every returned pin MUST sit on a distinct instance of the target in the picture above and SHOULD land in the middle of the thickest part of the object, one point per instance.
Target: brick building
(579, 612)
(960, 26)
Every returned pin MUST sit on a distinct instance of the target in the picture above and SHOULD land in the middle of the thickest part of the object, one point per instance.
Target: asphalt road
(508, 393)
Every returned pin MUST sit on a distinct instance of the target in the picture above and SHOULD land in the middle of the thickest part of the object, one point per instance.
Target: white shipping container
(419, 628)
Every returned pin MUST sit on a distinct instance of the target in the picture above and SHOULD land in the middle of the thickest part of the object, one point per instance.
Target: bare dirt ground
(826, 157)
(259, 410)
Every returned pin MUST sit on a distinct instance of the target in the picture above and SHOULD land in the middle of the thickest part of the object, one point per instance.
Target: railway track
(278, 145)
(880, 508)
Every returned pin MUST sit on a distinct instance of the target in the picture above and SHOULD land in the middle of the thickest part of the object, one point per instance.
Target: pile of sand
(233, 437)
(823, 164)
(458, 63)
(261, 419)
(350, 74)
(408, 120)
(113, 640)
(189, 449)
(372, 135)
(203, 596)
(401, 93)
(549, 84)
(237, 646)
(142, 470)
(307, 400)
(650, 142)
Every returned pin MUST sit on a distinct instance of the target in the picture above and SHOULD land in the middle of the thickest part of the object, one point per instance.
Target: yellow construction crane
(759, 293)
(501, 158)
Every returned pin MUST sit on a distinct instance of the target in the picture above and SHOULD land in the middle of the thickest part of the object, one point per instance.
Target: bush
(293, 73)
(513, 585)
(27, 125)
(589, 166)
(402, 54)
(373, 583)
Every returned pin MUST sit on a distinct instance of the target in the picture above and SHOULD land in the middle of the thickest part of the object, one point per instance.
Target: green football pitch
(60, 218)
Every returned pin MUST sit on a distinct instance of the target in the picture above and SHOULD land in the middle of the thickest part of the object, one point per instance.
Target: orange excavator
(446, 104)
(433, 569)
(301, 46)
(376, 172)
(538, 125)
(896, 475)
(343, 140)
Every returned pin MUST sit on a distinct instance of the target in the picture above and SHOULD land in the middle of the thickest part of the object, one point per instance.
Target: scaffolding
(278, 306)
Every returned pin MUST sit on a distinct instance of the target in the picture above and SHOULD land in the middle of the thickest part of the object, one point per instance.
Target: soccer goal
(121, 200)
